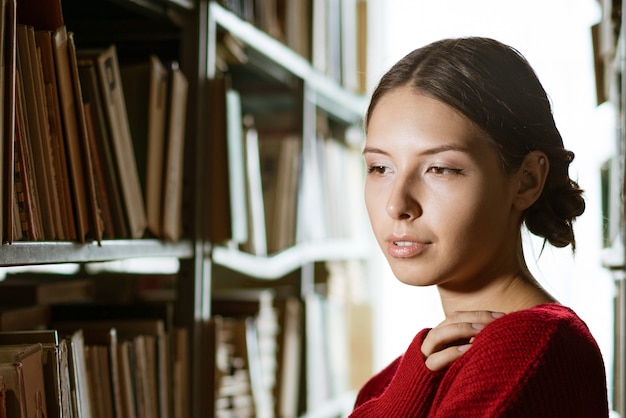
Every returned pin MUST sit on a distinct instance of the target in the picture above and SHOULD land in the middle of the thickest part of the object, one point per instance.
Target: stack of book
(72, 143)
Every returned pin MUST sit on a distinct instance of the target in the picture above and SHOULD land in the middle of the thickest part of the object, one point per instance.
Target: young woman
(461, 151)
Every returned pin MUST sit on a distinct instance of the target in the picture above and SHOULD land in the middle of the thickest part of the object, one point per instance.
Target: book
(150, 345)
(21, 178)
(279, 327)
(72, 130)
(23, 317)
(257, 236)
(112, 94)
(362, 46)
(175, 142)
(55, 366)
(13, 383)
(104, 154)
(105, 217)
(35, 133)
(236, 170)
(98, 369)
(152, 320)
(298, 27)
(219, 224)
(81, 399)
(102, 347)
(146, 95)
(181, 373)
(44, 42)
(280, 172)
(289, 356)
(44, 289)
(31, 360)
(10, 228)
(230, 388)
(93, 205)
(349, 48)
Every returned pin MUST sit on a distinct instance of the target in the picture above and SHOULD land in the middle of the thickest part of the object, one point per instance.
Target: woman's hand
(452, 337)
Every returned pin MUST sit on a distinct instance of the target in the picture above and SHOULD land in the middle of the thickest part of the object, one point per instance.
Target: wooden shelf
(33, 253)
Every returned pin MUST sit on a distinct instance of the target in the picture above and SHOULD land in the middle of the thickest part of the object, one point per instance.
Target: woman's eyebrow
(428, 151)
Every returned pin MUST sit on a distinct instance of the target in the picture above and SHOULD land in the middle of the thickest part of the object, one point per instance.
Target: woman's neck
(514, 293)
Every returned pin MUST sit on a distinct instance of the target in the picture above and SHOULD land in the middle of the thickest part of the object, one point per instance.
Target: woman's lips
(400, 248)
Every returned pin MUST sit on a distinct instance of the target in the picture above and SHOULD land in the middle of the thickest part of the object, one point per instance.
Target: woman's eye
(444, 170)
(377, 169)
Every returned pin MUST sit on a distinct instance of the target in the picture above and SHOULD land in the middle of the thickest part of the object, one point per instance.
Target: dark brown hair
(495, 87)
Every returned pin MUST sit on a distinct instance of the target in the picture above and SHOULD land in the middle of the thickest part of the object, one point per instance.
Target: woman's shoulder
(545, 321)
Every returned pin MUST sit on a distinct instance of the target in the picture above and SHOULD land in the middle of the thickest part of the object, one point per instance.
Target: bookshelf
(286, 96)
(609, 47)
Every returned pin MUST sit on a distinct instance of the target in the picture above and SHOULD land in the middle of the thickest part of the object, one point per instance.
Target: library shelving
(230, 56)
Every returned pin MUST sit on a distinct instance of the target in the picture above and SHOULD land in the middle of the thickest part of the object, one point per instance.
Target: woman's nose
(402, 202)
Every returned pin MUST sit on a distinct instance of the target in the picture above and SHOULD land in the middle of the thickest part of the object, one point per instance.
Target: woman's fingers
(452, 337)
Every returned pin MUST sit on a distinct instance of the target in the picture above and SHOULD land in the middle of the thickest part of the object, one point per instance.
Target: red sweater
(540, 362)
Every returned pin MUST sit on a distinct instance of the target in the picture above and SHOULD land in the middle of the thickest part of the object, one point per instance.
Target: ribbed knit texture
(540, 362)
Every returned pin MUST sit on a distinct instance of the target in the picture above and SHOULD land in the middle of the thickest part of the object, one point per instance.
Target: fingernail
(464, 348)
(497, 314)
(478, 326)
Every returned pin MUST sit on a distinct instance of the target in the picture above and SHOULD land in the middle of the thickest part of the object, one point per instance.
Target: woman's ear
(531, 179)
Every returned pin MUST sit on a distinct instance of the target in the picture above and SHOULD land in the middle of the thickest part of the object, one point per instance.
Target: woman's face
(440, 204)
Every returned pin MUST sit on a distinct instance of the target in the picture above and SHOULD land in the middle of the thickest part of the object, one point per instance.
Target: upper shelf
(33, 253)
(328, 94)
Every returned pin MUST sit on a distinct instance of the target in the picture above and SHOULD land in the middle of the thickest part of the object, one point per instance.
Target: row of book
(288, 189)
(92, 148)
(331, 34)
(79, 358)
(123, 353)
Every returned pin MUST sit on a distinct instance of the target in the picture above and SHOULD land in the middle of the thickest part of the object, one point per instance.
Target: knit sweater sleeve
(404, 389)
(542, 362)
(536, 363)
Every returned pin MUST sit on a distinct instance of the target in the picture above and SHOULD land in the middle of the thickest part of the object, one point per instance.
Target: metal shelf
(33, 253)
(278, 265)
(330, 96)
